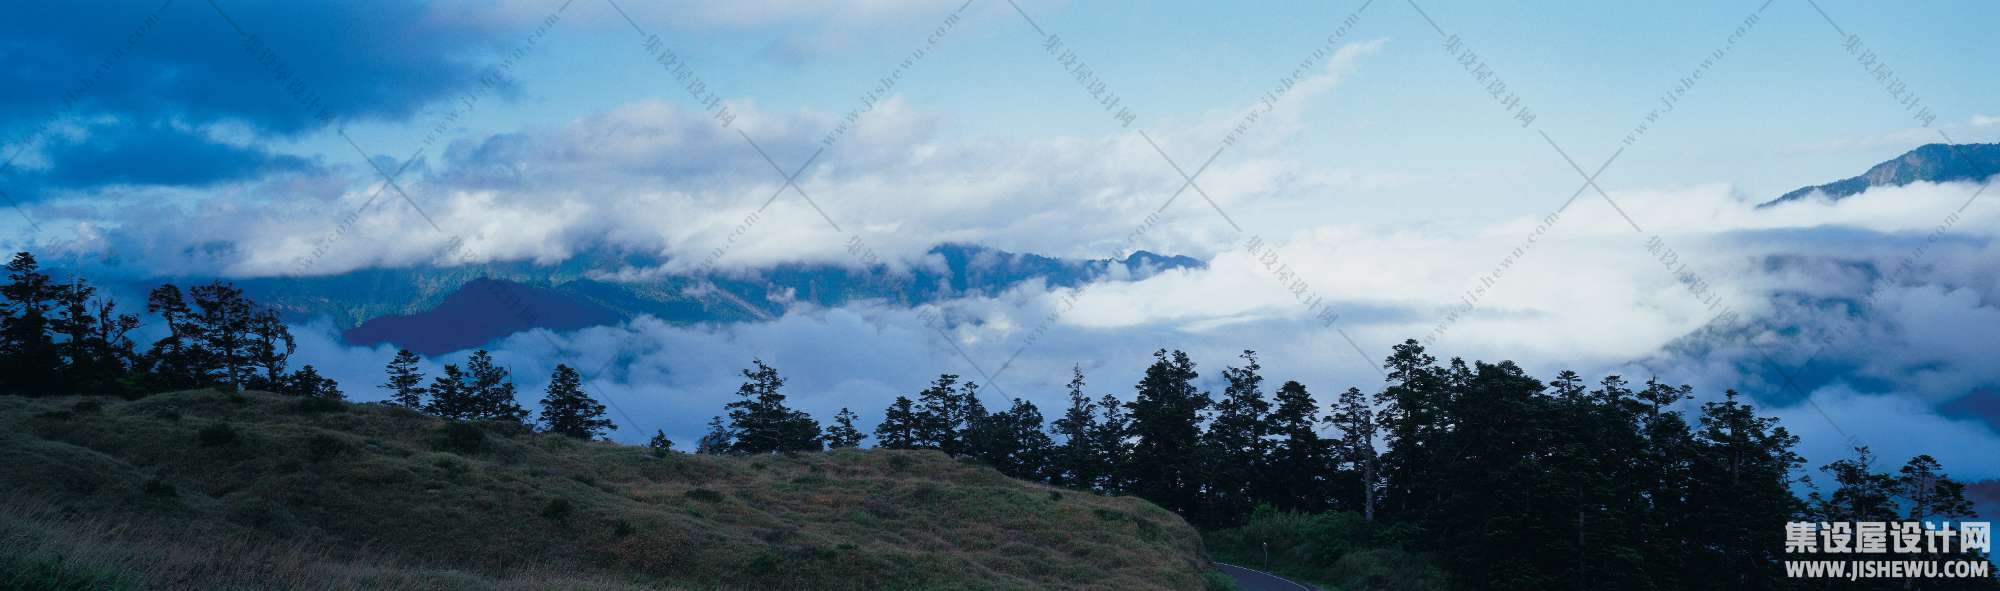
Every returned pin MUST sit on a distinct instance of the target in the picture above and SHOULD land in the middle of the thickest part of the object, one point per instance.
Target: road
(1256, 580)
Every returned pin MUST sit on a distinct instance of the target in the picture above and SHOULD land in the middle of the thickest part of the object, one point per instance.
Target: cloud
(158, 155)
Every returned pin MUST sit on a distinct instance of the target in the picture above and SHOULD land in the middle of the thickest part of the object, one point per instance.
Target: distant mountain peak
(1935, 163)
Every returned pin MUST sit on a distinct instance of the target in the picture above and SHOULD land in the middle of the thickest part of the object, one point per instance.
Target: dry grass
(158, 494)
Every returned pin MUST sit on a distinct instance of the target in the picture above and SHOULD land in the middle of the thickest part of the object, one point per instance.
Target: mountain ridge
(1936, 163)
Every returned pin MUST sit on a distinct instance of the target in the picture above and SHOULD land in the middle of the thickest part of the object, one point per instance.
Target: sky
(1394, 184)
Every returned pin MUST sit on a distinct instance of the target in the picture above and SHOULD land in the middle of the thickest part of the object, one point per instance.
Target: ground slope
(205, 489)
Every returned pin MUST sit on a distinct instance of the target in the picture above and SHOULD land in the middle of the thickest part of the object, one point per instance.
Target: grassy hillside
(205, 489)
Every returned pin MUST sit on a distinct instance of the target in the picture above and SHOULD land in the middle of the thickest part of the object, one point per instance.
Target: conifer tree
(899, 428)
(760, 421)
(26, 344)
(660, 445)
(492, 390)
(451, 398)
(308, 383)
(1929, 492)
(1075, 461)
(226, 319)
(1300, 465)
(406, 382)
(270, 347)
(718, 440)
(1111, 441)
(569, 411)
(1166, 418)
(843, 434)
(178, 359)
(1235, 446)
(1011, 441)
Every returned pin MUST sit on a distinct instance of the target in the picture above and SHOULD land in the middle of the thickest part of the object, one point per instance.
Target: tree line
(64, 337)
(1516, 482)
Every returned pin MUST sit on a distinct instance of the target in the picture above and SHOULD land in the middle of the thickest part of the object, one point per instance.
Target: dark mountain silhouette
(480, 311)
(433, 311)
(1936, 163)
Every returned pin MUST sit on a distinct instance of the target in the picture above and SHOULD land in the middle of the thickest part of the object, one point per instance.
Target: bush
(461, 438)
(88, 407)
(704, 495)
(558, 510)
(622, 528)
(1332, 547)
(322, 447)
(218, 434)
(1216, 581)
(168, 415)
(160, 488)
(317, 405)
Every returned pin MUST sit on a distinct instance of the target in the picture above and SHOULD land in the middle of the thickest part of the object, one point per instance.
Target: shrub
(1216, 581)
(558, 510)
(1055, 496)
(460, 438)
(159, 487)
(622, 528)
(704, 495)
(218, 434)
(322, 447)
(168, 415)
(88, 407)
(317, 405)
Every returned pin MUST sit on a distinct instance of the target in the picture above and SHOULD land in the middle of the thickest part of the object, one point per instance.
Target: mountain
(1936, 163)
(204, 489)
(434, 311)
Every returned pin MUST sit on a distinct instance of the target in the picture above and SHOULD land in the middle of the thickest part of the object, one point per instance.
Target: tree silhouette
(567, 410)
(1076, 461)
(843, 434)
(899, 428)
(1166, 417)
(760, 421)
(25, 340)
(406, 382)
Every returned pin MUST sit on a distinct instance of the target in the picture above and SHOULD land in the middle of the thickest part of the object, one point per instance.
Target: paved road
(1257, 580)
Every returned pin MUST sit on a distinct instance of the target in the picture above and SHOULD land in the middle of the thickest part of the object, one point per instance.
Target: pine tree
(1411, 414)
(899, 428)
(177, 360)
(1742, 478)
(660, 445)
(226, 319)
(406, 382)
(1011, 441)
(1235, 446)
(306, 382)
(843, 434)
(760, 420)
(451, 398)
(719, 439)
(1111, 441)
(569, 411)
(1166, 418)
(939, 418)
(26, 345)
(1929, 493)
(270, 347)
(1076, 462)
(492, 390)
(1301, 465)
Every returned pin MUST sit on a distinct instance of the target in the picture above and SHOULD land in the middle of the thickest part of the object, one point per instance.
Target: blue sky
(1388, 178)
